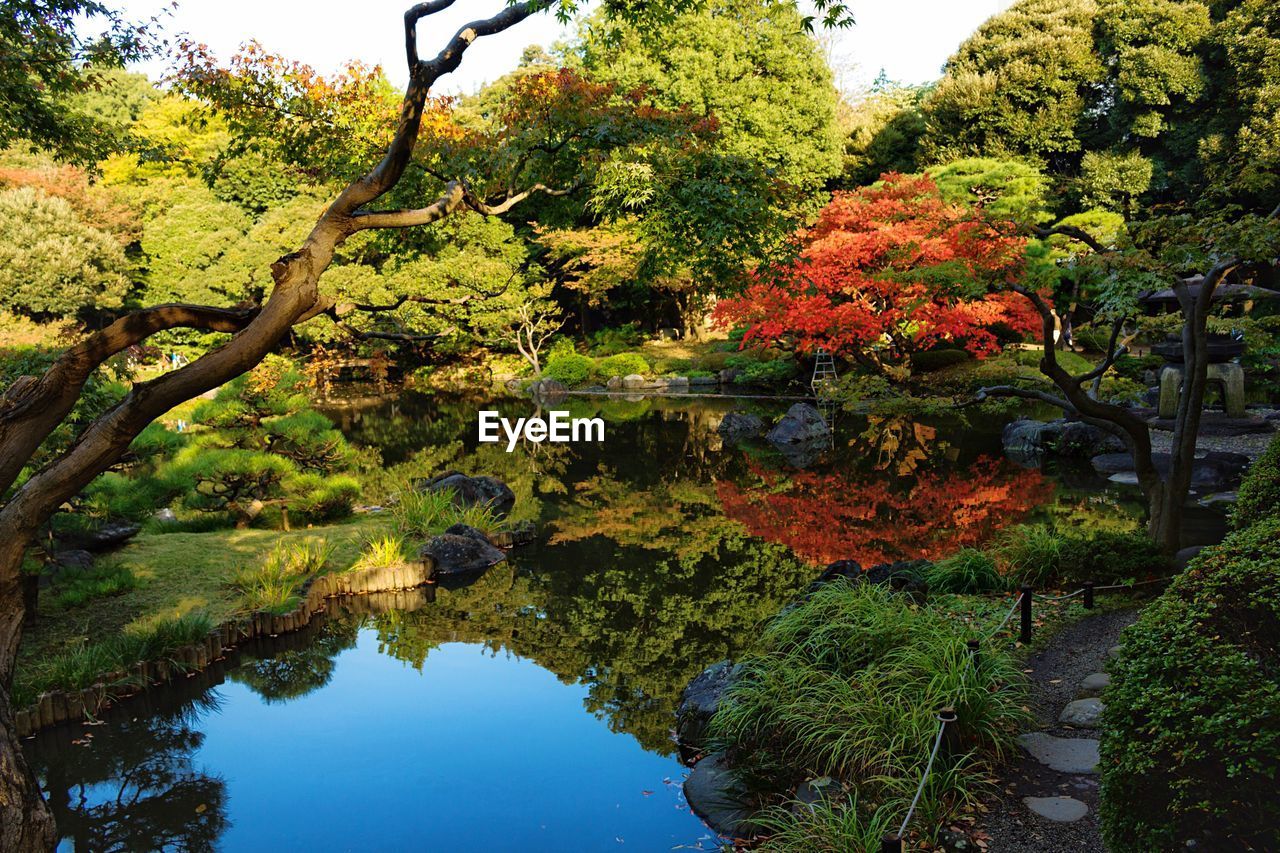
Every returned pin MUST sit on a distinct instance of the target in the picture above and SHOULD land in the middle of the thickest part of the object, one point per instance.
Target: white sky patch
(909, 39)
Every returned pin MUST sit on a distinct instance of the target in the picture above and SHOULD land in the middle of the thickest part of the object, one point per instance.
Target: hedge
(1259, 495)
(1191, 731)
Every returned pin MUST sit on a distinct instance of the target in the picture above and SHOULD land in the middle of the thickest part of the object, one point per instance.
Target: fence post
(1088, 595)
(1025, 635)
(975, 653)
(891, 843)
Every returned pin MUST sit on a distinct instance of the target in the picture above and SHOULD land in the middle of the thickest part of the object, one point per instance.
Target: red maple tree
(888, 270)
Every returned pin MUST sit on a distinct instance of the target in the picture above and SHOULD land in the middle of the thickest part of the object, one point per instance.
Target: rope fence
(896, 842)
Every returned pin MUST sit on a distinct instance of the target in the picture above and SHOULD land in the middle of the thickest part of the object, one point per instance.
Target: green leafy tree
(52, 263)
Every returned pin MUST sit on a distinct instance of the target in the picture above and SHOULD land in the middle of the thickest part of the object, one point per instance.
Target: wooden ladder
(824, 371)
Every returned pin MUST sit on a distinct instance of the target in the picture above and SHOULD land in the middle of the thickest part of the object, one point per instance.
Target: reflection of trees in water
(294, 673)
(134, 785)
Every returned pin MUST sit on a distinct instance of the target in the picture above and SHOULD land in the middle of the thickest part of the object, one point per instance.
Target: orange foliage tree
(888, 270)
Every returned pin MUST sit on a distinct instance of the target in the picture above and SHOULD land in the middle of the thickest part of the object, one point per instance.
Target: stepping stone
(1124, 478)
(1083, 713)
(1060, 809)
(1066, 755)
(1093, 685)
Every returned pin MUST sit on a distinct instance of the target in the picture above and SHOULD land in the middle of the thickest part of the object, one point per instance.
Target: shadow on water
(540, 697)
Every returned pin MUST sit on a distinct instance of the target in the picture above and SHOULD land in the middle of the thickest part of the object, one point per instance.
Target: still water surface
(531, 710)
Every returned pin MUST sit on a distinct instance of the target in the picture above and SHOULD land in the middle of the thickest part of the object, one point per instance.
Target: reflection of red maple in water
(827, 517)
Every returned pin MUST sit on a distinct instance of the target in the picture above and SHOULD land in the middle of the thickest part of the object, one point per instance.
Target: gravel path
(1074, 653)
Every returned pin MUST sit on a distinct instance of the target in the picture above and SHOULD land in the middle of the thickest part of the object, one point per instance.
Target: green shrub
(848, 683)
(1191, 731)
(764, 373)
(1110, 557)
(672, 366)
(1259, 494)
(570, 368)
(713, 361)
(1031, 553)
(115, 496)
(966, 571)
(619, 339)
(927, 362)
(623, 364)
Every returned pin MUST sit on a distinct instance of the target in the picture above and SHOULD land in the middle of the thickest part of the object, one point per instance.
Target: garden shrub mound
(571, 368)
(623, 364)
(1259, 494)
(847, 684)
(1043, 557)
(1191, 743)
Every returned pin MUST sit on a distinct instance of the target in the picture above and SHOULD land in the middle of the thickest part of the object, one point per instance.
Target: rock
(548, 391)
(1113, 652)
(469, 491)
(729, 375)
(614, 383)
(165, 516)
(1215, 471)
(1059, 809)
(813, 793)
(520, 533)
(719, 798)
(1082, 713)
(467, 530)
(699, 701)
(1186, 555)
(1124, 478)
(1025, 438)
(459, 554)
(850, 569)
(739, 425)
(1079, 440)
(111, 535)
(1093, 685)
(905, 576)
(595, 389)
(1066, 755)
(1220, 499)
(634, 380)
(703, 381)
(801, 424)
(805, 455)
(72, 561)
(668, 334)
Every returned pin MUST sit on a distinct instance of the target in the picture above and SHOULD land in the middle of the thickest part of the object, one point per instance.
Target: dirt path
(1060, 780)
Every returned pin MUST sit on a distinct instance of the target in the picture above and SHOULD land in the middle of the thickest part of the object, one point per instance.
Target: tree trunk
(25, 821)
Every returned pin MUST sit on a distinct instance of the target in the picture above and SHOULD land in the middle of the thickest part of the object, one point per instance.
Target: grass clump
(1037, 554)
(1031, 553)
(826, 828)
(382, 552)
(274, 585)
(76, 588)
(966, 571)
(848, 685)
(425, 513)
(1191, 736)
(91, 662)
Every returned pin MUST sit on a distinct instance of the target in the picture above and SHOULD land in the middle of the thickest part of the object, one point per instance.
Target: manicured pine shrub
(1191, 731)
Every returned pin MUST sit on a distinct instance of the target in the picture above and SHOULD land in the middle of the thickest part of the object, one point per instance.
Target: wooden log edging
(72, 706)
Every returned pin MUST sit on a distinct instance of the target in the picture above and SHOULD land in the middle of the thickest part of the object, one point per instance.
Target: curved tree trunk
(33, 407)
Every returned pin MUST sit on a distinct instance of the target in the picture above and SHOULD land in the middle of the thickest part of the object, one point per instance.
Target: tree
(34, 407)
(532, 324)
(52, 263)
(887, 271)
(883, 129)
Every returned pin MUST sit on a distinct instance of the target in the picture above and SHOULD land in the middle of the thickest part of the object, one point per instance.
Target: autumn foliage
(825, 517)
(888, 270)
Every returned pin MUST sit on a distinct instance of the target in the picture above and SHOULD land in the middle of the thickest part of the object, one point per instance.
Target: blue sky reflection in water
(477, 752)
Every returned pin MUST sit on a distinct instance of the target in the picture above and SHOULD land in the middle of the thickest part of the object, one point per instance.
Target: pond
(531, 710)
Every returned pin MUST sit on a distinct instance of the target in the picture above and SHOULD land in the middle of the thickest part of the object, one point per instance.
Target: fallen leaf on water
(647, 793)
(201, 809)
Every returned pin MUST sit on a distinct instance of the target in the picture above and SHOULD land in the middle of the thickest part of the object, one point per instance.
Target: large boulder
(1079, 440)
(105, 537)
(802, 424)
(469, 491)
(1027, 439)
(1214, 472)
(699, 701)
(717, 796)
(548, 391)
(739, 425)
(462, 551)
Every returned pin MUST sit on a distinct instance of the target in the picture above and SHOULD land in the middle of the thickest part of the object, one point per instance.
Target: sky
(909, 39)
